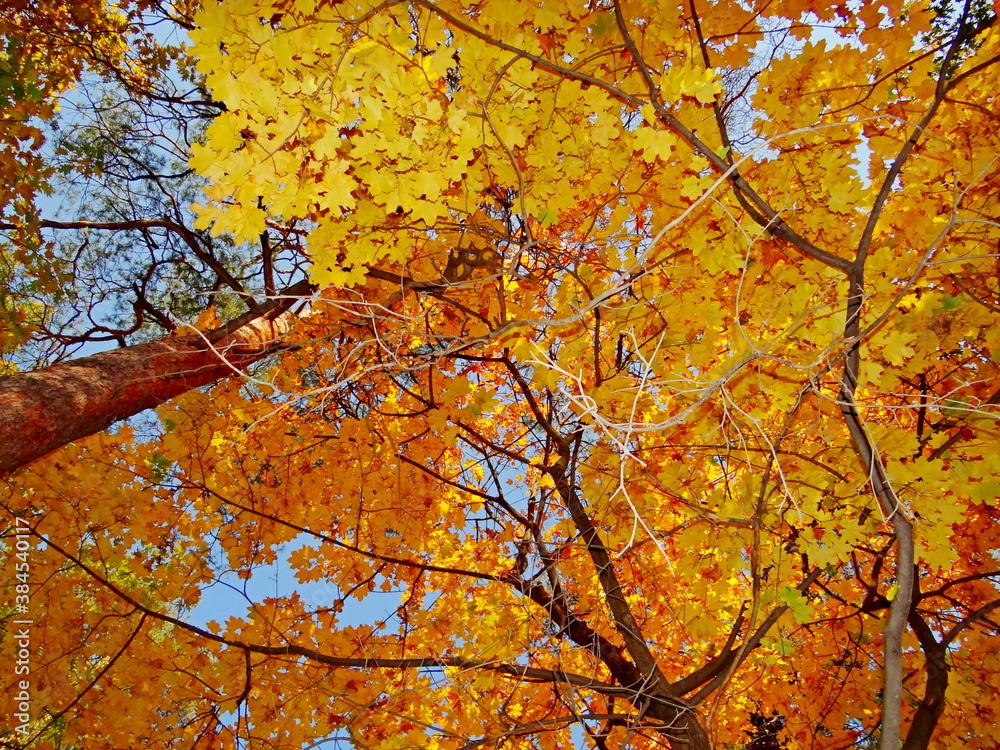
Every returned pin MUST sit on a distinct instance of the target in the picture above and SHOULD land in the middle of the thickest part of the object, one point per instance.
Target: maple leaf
(540, 442)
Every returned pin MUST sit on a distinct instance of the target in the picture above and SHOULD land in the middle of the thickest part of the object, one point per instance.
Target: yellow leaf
(654, 144)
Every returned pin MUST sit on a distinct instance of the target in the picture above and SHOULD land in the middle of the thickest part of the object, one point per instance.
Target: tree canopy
(644, 355)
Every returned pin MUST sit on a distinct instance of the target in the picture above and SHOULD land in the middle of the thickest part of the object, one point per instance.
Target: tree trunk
(44, 410)
(695, 737)
(932, 706)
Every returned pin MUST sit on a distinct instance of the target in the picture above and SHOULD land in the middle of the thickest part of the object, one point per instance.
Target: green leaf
(796, 602)
(160, 466)
(546, 217)
(950, 304)
(954, 408)
(605, 24)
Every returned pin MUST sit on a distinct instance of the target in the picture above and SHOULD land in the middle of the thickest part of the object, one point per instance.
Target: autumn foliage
(654, 370)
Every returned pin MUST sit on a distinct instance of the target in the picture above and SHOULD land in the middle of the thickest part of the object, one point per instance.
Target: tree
(49, 47)
(44, 410)
(654, 371)
(118, 260)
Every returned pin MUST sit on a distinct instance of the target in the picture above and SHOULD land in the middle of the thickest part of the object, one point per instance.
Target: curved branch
(289, 649)
(756, 206)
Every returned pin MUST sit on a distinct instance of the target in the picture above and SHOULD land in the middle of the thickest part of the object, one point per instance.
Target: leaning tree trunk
(46, 409)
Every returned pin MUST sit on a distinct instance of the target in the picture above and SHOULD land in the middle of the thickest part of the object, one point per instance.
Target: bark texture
(44, 410)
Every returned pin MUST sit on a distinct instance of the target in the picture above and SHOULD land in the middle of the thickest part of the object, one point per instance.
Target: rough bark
(44, 410)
